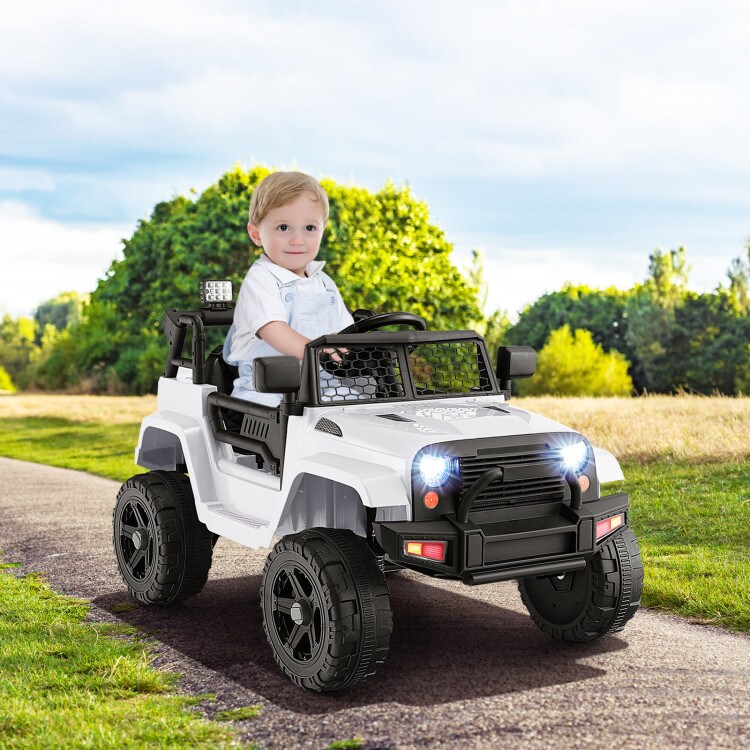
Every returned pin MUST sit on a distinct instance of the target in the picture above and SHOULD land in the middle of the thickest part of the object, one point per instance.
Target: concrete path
(467, 667)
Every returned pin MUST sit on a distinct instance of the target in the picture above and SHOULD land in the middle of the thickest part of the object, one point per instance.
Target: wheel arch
(316, 500)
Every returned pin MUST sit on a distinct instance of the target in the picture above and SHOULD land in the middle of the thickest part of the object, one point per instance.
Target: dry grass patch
(689, 428)
(109, 409)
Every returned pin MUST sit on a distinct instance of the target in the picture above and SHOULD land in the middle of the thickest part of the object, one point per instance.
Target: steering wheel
(386, 319)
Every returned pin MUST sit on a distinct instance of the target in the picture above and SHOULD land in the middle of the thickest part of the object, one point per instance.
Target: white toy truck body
(405, 454)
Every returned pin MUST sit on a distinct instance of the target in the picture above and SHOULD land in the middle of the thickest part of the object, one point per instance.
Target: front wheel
(326, 609)
(163, 551)
(584, 605)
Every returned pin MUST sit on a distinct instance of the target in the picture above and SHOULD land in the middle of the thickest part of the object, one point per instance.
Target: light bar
(216, 292)
(426, 550)
(608, 524)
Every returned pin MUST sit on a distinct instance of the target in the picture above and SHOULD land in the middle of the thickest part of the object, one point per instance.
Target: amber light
(431, 500)
(585, 482)
(428, 550)
(607, 525)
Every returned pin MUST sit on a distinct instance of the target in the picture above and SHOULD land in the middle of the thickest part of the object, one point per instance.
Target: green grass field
(689, 482)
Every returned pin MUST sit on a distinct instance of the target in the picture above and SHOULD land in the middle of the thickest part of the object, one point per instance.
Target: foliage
(6, 384)
(572, 364)
(380, 248)
(600, 311)
(17, 346)
(61, 311)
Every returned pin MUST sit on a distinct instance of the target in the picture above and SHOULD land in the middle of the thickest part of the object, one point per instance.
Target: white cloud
(40, 258)
(16, 180)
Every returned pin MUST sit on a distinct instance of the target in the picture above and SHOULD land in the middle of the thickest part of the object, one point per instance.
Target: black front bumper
(507, 543)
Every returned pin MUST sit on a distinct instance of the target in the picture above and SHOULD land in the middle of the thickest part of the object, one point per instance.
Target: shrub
(571, 364)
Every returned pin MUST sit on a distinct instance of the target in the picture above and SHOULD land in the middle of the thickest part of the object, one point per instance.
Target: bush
(571, 364)
(6, 384)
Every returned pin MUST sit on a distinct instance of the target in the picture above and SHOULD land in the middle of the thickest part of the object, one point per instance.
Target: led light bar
(215, 292)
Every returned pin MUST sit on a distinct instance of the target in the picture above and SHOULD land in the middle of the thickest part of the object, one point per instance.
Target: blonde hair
(281, 188)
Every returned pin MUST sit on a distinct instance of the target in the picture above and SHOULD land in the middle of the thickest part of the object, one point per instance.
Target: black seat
(219, 373)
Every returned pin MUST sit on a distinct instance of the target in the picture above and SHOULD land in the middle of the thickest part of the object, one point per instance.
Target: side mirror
(276, 374)
(514, 362)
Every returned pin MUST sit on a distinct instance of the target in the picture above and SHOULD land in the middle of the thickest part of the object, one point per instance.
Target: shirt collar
(284, 275)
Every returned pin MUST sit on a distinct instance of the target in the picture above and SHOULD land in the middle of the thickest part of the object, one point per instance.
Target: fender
(607, 467)
(167, 440)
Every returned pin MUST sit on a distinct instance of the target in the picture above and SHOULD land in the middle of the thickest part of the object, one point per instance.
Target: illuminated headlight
(216, 291)
(434, 470)
(574, 456)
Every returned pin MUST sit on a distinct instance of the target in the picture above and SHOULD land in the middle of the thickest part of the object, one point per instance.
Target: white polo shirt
(260, 301)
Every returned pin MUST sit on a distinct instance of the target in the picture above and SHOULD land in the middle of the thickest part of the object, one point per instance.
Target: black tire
(326, 609)
(587, 604)
(163, 551)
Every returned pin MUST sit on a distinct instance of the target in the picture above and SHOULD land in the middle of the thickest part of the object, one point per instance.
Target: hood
(391, 427)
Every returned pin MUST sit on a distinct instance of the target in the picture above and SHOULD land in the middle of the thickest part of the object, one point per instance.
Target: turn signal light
(427, 550)
(607, 525)
(431, 500)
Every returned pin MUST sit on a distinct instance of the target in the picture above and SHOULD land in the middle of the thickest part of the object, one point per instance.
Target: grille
(449, 368)
(394, 417)
(500, 494)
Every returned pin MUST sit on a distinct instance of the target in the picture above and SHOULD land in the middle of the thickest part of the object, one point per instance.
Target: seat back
(219, 373)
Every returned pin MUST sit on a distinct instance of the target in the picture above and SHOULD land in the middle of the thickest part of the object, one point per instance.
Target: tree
(651, 333)
(600, 311)
(17, 346)
(572, 364)
(61, 311)
(380, 248)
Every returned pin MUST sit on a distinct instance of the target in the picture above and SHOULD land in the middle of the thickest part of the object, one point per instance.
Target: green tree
(380, 248)
(651, 311)
(61, 311)
(17, 346)
(572, 364)
(601, 311)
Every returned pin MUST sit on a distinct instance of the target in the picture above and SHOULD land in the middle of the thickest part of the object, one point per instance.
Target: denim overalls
(312, 314)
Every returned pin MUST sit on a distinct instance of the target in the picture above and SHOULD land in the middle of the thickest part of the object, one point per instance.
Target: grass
(70, 683)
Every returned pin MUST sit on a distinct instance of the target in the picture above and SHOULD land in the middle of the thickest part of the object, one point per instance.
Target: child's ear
(254, 232)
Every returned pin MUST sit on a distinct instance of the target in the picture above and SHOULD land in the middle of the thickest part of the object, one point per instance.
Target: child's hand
(336, 355)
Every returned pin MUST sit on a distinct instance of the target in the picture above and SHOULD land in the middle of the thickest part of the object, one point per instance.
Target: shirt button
(288, 298)
(333, 300)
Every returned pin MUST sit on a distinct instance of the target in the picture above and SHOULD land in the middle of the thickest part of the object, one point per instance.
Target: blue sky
(564, 140)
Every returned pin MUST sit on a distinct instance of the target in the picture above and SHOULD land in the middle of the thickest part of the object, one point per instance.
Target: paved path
(467, 667)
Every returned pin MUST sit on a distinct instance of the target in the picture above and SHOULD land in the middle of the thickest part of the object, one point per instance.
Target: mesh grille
(363, 374)
(449, 368)
(499, 494)
(325, 425)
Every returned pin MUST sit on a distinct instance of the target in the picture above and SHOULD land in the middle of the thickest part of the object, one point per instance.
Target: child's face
(290, 235)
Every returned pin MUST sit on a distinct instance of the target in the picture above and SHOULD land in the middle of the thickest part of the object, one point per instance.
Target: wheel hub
(300, 613)
(140, 539)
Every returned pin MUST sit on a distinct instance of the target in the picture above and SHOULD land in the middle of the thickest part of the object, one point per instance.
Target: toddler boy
(285, 300)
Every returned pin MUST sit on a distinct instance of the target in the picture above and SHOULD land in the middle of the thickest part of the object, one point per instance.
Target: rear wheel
(326, 609)
(163, 551)
(587, 604)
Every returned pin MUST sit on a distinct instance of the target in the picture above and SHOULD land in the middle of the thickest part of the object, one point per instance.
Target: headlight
(434, 470)
(574, 456)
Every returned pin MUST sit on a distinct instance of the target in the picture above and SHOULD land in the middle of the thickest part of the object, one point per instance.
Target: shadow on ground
(445, 646)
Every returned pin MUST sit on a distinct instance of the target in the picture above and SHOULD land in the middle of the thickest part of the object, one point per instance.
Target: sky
(566, 141)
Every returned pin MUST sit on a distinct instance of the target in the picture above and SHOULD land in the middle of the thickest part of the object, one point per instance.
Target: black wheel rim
(136, 538)
(561, 600)
(298, 613)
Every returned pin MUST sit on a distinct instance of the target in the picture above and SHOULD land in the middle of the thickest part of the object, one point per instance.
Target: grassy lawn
(69, 683)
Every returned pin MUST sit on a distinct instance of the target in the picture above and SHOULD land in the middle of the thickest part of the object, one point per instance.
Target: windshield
(401, 369)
